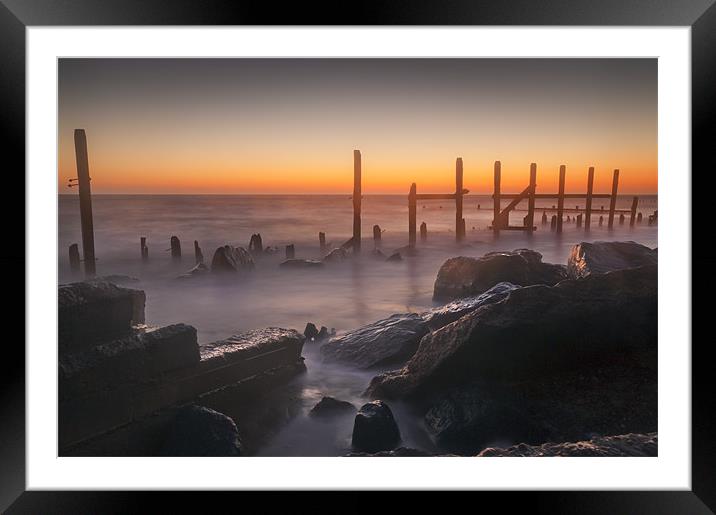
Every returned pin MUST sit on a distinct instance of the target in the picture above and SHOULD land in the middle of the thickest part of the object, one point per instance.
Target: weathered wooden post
(175, 246)
(356, 200)
(553, 223)
(588, 207)
(496, 199)
(198, 254)
(412, 213)
(83, 179)
(530, 220)
(632, 216)
(322, 241)
(143, 248)
(376, 236)
(639, 218)
(579, 220)
(290, 251)
(613, 200)
(621, 219)
(459, 222)
(601, 221)
(560, 197)
(423, 231)
(544, 217)
(74, 258)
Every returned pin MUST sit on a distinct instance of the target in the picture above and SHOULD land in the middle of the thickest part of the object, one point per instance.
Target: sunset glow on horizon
(283, 126)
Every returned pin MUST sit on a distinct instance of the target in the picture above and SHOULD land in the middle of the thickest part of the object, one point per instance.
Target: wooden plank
(529, 221)
(459, 234)
(412, 214)
(613, 203)
(83, 179)
(560, 197)
(632, 216)
(435, 196)
(356, 200)
(590, 192)
(556, 195)
(496, 199)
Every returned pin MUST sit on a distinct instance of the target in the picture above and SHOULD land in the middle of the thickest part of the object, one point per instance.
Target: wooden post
(639, 218)
(632, 217)
(74, 258)
(143, 248)
(356, 200)
(496, 199)
(579, 220)
(601, 221)
(553, 223)
(256, 245)
(175, 245)
(83, 179)
(459, 222)
(376, 236)
(412, 212)
(588, 207)
(198, 255)
(290, 251)
(544, 217)
(423, 232)
(621, 219)
(560, 198)
(530, 220)
(322, 241)
(613, 201)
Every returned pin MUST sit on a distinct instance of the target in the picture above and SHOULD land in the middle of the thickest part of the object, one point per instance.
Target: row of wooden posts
(500, 221)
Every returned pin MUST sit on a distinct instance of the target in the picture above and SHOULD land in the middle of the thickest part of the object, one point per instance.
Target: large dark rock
(328, 406)
(252, 344)
(629, 445)
(400, 452)
(604, 256)
(465, 276)
(93, 312)
(443, 315)
(200, 431)
(231, 259)
(388, 341)
(375, 428)
(310, 332)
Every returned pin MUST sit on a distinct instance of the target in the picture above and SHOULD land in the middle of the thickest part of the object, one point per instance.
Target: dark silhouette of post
(423, 231)
(560, 197)
(143, 248)
(601, 221)
(639, 218)
(459, 222)
(198, 255)
(544, 217)
(590, 190)
(175, 246)
(74, 258)
(553, 223)
(579, 220)
(322, 241)
(613, 201)
(256, 245)
(290, 251)
(83, 179)
(356, 200)
(632, 217)
(496, 200)
(376, 236)
(530, 219)
(412, 213)
(621, 219)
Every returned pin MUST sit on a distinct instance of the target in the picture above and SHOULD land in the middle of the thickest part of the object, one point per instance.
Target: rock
(231, 259)
(200, 431)
(310, 332)
(632, 445)
(465, 276)
(400, 452)
(443, 315)
(378, 254)
(375, 429)
(329, 406)
(536, 331)
(604, 256)
(322, 334)
(390, 340)
(301, 263)
(114, 279)
(271, 341)
(92, 312)
(394, 257)
(336, 255)
(198, 269)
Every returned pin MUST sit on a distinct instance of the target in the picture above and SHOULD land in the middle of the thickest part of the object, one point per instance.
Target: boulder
(465, 276)
(322, 334)
(375, 428)
(628, 445)
(328, 406)
(231, 259)
(114, 279)
(443, 315)
(604, 256)
(390, 340)
(536, 331)
(310, 332)
(301, 263)
(200, 431)
(400, 452)
(252, 344)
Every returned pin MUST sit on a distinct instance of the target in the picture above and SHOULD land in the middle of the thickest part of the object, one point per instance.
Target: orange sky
(160, 129)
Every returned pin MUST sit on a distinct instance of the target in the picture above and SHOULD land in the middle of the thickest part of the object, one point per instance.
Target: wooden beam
(83, 179)
(74, 258)
(590, 191)
(632, 216)
(356, 200)
(556, 195)
(459, 235)
(560, 197)
(613, 203)
(412, 215)
(496, 200)
(529, 221)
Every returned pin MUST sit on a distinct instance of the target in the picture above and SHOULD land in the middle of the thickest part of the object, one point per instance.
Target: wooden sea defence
(83, 181)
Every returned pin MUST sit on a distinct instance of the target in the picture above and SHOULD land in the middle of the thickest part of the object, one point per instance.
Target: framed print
(418, 249)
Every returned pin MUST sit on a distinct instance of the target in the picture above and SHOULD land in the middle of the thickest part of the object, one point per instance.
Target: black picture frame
(17, 15)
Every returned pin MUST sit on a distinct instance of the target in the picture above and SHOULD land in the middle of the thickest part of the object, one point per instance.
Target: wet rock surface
(375, 428)
(385, 341)
(466, 276)
(635, 445)
(443, 315)
(605, 256)
(200, 431)
(328, 406)
(336, 255)
(231, 259)
(252, 343)
(400, 452)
